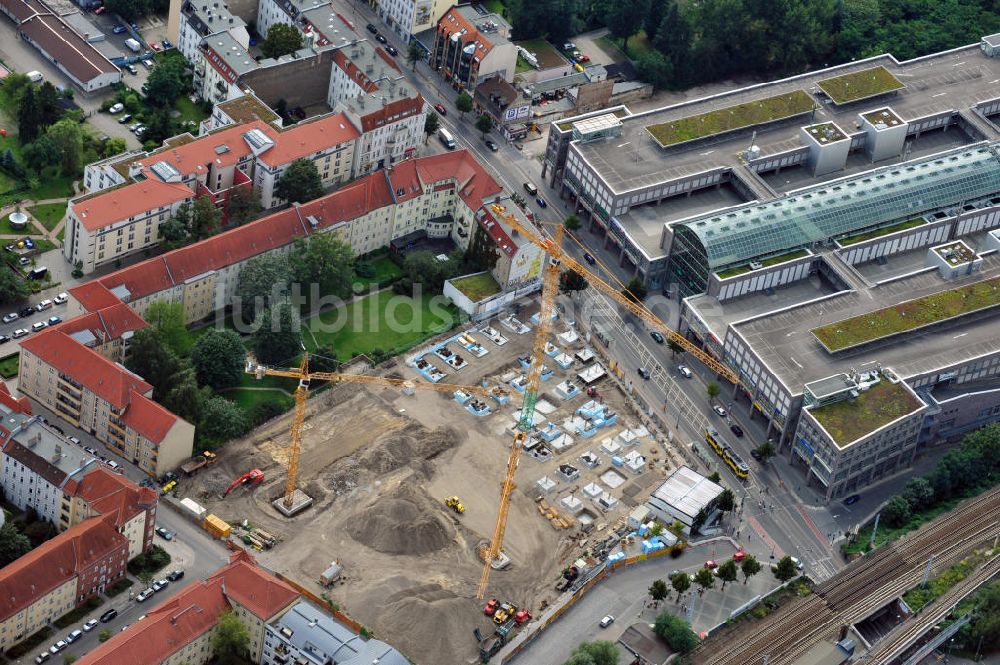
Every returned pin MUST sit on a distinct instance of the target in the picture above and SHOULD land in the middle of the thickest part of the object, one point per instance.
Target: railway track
(859, 590)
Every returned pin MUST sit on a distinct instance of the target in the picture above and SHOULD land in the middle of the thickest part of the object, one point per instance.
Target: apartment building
(58, 576)
(408, 17)
(436, 196)
(180, 630)
(132, 195)
(99, 395)
(472, 45)
(199, 19)
(131, 508)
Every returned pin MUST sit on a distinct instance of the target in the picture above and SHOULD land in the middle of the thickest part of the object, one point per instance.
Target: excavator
(250, 478)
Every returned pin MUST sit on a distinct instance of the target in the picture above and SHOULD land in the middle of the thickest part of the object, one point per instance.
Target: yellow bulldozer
(455, 504)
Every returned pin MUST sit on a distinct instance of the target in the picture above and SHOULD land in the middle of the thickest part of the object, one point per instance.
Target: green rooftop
(477, 287)
(765, 263)
(884, 231)
(909, 315)
(732, 117)
(850, 419)
(860, 85)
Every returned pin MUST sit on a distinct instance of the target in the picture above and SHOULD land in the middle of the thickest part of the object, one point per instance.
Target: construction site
(379, 463)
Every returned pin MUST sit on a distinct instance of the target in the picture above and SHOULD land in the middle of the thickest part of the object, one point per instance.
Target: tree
(28, 115)
(67, 137)
(749, 567)
(625, 17)
(572, 222)
(715, 478)
(727, 572)
(218, 358)
(484, 123)
(658, 590)
(281, 40)
(114, 146)
(231, 641)
(424, 267)
(681, 582)
(675, 632)
(985, 625)
(324, 359)
(300, 182)
(160, 125)
(766, 451)
(919, 494)
(463, 103)
(656, 69)
(414, 54)
(897, 512)
(185, 398)
(713, 390)
(12, 287)
(104, 635)
(48, 105)
(727, 501)
(635, 290)
(13, 544)
(325, 260)
(166, 82)
(129, 10)
(431, 125)
(167, 320)
(785, 570)
(243, 205)
(674, 40)
(675, 347)
(263, 280)
(221, 420)
(598, 652)
(279, 337)
(705, 579)
(153, 360)
(41, 153)
(571, 280)
(205, 218)
(699, 520)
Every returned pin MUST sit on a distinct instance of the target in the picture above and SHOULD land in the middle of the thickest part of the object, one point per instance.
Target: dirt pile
(403, 522)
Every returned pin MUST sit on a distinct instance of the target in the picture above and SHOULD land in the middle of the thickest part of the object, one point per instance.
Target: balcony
(70, 385)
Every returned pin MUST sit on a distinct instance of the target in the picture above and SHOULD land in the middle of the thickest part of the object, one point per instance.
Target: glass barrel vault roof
(846, 206)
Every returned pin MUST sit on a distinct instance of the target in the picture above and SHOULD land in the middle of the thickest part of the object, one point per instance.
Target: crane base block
(300, 501)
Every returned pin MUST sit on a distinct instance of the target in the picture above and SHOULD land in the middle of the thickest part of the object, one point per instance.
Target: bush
(149, 562)
(675, 632)
(264, 411)
(29, 644)
(71, 618)
(104, 635)
(118, 587)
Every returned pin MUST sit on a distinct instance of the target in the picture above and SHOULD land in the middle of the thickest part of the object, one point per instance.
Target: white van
(34, 76)
(133, 45)
(446, 138)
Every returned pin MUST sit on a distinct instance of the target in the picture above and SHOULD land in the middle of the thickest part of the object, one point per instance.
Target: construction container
(218, 527)
(193, 508)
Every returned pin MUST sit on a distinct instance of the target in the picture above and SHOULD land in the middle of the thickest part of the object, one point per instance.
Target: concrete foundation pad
(300, 501)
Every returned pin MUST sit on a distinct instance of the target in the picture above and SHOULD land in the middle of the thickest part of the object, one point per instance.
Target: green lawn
(850, 419)
(61, 234)
(766, 263)
(733, 117)
(277, 383)
(477, 287)
(385, 270)
(190, 112)
(49, 214)
(909, 315)
(885, 230)
(495, 6)
(859, 85)
(248, 399)
(638, 45)
(8, 366)
(6, 230)
(384, 321)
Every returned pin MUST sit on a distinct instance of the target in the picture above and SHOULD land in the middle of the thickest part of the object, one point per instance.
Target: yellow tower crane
(305, 377)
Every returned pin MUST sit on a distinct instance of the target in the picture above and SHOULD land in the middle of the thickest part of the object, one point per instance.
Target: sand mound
(411, 442)
(423, 612)
(401, 524)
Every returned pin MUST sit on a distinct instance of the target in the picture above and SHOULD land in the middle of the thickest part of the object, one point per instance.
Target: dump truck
(490, 645)
(198, 461)
(455, 504)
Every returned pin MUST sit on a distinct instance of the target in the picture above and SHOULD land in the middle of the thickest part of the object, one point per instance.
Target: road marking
(778, 552)
(940, 94)
(705, 154)
(795, 361)
(960, 335)
(958, 63)
(812, 526)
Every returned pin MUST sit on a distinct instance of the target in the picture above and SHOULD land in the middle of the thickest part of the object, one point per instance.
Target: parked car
(116, 108)
(441, 109)
(57, 647)
(754, 453)
(131, 69)
(90, 625)
(166, 44)
(160, 585)
(109, 615)
(87, 449)
(7, 318)
(43, 657)
(371, 28)
(175, 575)
(116, 467)
(73, 439)
(851, 500)
(23, 261)
(491, 145)
(27, 311)
(644, 373)
(657, 337)
(739, 555)
(38, 325)
(719, 410)
(737, 430)
(44, 305)
(61, 298)
(381, 39)
(4, 339)
(569, 46)
(99, 10)
(124, 119)
(140, 130)
(798, 564)
(711, 565)
(583, 57)
(19, 333)
(607, 621)
(119, 29)
(541, 202)
(166, 534)
(530, 188)
(684, 371)
(589, 258)
(144, 595)
(134, 126)
(74, 636)
(392, 50)
(54, 320)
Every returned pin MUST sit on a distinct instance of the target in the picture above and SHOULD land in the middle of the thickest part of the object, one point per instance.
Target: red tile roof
(396, 109)
(193, 612)
(141, 279)
(93, 296)
(225, 147)
(306, 138)
(354, 72)
(55, 562)
(491, 225)
(113, 205)
(110, 494)
(110, 381)
(148, 418)
(106, 324)
(453, 22)
(351, 201)
(15, 404)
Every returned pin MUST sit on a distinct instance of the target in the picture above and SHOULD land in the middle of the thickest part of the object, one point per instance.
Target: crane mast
(550, 283)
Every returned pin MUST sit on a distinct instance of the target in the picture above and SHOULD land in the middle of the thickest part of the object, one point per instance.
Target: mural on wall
(423, 10)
